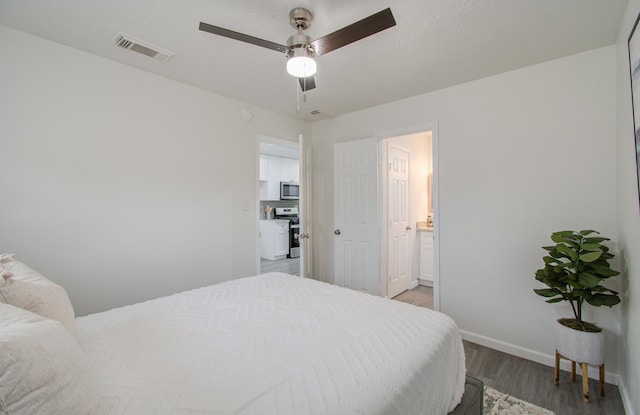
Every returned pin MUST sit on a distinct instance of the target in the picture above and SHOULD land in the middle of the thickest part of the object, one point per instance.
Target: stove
(291, 214)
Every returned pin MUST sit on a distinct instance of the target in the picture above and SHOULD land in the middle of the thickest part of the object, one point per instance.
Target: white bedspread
(274, 344)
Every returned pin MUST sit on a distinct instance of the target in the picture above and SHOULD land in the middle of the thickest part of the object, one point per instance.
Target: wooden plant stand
(585, 375)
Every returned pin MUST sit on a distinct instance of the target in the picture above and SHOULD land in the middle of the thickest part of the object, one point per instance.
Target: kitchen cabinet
(273, 178)
(273, 170)
(289, 170)
(264, 169)
(426, 257)
(269, 177)
(274, 239)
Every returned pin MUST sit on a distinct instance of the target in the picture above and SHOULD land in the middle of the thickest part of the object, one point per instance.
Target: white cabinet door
(426, 257)
(273, 179)
(289, 170)
(282, 240)
(264, 168)
(274, 239)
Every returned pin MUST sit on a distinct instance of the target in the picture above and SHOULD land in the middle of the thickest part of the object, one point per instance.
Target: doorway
(278, 163)
(407, 210)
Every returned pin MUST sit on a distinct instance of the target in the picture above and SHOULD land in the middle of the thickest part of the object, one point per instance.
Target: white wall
(521, 154)
(121, 185)
(628, 219)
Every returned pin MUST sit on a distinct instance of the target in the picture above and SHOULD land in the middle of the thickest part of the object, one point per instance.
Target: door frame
(380, 137)
(305, 206)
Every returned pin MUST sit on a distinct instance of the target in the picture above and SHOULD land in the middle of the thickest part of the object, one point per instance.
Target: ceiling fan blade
(205, 27)
(359, 30)
(307, 83)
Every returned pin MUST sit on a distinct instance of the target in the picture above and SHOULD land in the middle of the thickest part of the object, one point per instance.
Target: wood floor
(287, 265)
(528, 380)
(420, 296)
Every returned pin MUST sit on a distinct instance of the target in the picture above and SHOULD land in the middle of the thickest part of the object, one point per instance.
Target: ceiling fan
(301, 50)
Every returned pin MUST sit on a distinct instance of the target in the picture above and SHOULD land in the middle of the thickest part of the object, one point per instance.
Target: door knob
(297, 236)
(337, 232)
(408, 227)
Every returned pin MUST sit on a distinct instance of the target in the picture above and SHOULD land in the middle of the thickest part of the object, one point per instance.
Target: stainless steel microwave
(289, 190)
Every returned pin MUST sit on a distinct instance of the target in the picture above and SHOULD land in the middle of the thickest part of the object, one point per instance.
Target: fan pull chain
(297, 97)
(304, 93)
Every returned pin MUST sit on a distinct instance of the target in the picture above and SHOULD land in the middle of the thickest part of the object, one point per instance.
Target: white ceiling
(436, 43)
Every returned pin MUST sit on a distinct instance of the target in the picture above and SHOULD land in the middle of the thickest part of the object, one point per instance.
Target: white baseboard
(426, 283)
(545, 359)
(413, 284)
(625, 394)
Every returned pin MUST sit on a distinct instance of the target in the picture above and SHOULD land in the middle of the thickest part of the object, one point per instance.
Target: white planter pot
(580, 346)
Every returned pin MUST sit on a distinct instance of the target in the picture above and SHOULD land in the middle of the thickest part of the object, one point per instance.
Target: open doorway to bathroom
(407, 208)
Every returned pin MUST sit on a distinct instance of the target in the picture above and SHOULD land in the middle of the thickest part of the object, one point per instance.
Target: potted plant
(574, 269)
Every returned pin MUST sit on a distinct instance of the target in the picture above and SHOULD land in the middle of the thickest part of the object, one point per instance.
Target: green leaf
(588, 232)
(603, 270)
(604, 299)
(595, 240)
(575, 284)
(591, 247)
(570, 253)
(554, 300)
(562, 236)
(588, 280)
(546, 292)
(590, 256)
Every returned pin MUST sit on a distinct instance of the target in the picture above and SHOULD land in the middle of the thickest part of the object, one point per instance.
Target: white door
(398, 213)
(356, 215)
(304, 208)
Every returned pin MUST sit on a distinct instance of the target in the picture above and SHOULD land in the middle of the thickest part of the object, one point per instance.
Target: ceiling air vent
(320, 114)
(126, 41)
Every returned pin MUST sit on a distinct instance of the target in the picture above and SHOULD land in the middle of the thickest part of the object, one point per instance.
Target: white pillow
(25, 288)
(43, 370)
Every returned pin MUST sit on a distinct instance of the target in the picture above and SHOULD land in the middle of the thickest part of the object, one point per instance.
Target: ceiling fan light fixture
(301, 61)
(301, 66)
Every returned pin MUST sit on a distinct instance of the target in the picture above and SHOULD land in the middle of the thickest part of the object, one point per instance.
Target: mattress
(274, 344)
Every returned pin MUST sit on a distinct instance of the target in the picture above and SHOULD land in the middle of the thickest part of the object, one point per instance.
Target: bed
(269, 344)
